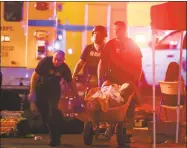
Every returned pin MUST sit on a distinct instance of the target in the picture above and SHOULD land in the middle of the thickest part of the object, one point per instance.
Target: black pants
(130, 111)
(52, 116)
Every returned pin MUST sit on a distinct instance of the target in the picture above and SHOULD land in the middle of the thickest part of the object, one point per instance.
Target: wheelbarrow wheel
(120, 134)
(88, 133)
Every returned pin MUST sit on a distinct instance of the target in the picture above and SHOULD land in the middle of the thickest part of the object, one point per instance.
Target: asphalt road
(75, 141)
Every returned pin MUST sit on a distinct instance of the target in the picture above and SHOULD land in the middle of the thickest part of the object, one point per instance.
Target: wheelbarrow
(114, 116)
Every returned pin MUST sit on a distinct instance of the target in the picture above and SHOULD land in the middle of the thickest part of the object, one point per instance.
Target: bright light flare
(60, 37)
(26, 75)
(42, 56)
(140, 39)
(50, 48)
(57, 45)
(173, 42)
(70, 51)
(5, 38)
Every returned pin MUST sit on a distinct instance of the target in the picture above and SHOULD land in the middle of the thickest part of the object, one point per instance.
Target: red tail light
(42, 6)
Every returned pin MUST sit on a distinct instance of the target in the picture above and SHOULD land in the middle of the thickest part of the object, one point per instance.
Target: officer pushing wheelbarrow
(107, 104)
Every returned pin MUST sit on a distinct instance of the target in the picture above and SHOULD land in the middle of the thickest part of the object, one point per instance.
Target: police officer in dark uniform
(45, 92)
(91, 55)
(1, 79)
(121, 61)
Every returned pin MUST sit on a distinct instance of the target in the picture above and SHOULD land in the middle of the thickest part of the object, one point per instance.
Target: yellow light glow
(5, 38)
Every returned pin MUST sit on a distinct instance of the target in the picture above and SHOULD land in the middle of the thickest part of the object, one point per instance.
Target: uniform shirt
(123, 60)
(1, 78)
(50, 76)
(91, 57)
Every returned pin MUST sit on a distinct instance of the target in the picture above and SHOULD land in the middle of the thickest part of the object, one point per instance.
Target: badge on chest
(95, 54)
(52, 72)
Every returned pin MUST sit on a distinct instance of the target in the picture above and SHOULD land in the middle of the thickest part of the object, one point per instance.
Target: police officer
(91, 55)
(1, 79)
(121, 61)
(121, 58)
(45, 92)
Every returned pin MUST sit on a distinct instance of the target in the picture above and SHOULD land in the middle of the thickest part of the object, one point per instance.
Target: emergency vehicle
(26, 30)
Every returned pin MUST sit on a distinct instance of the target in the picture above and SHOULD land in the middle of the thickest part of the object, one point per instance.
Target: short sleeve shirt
(123, 59)
(1, 77)
(46, 69)
(91, 57)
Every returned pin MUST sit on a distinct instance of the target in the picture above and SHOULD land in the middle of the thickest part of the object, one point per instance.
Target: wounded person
(108, 96)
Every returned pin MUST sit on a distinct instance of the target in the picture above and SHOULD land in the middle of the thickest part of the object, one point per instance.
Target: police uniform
(123, 61)
(48, 94)
(1, 79)
(91, 56)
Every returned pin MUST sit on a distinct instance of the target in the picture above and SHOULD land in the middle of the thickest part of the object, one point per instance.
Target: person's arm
(100, 72)
(34, 80)
(39, 70)
(69, 80)
(103, 63)
(32, 94)
(80, 64)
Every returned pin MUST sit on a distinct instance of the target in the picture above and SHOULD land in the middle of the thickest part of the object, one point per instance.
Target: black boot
(54, 138)
(55, 141)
